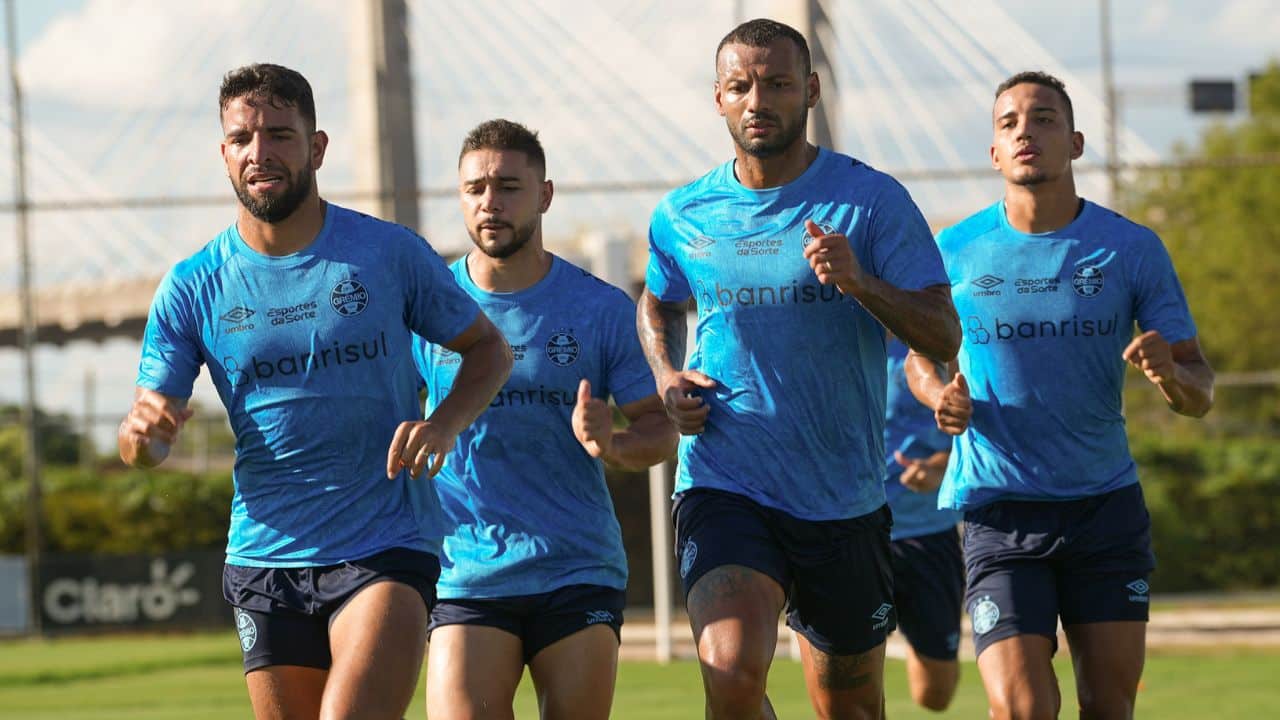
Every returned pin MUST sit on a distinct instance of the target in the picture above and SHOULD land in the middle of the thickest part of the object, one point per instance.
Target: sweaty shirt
(527, 509)
(312, 358)
(796, 419)
(1046, 319)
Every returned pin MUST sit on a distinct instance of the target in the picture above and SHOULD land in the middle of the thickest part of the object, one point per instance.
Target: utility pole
(1109, 100)
(382, 109)
(31, 451)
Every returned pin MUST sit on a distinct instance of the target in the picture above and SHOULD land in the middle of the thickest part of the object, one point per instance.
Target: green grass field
(197, 677)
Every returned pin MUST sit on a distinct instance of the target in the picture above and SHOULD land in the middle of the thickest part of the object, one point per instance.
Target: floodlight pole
(31, 453)
(1109, 103)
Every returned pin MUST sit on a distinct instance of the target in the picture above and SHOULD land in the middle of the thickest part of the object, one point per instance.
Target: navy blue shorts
(538, 620)
(837, 574)
(928, 589)
(283, 614)
(1031, 562)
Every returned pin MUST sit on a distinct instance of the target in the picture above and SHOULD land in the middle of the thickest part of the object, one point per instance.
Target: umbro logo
(238, 314)
(986, 282)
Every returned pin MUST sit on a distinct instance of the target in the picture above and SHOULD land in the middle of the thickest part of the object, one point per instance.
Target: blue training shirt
(527, 509)
(1046, 319)
(911, 429)
(796, 421)
(311, 355)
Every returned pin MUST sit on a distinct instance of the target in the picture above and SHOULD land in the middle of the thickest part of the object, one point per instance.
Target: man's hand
(414, 443)
(688, 411)
(151, 427)
(921, 474)
(592, 422)
(832, 259)
(1151, 353)
(954, 406)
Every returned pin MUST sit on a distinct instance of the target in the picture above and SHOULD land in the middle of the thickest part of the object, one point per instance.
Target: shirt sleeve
(663, 276)
(436, 308)
(627, 372)
(903, 252)
(1158, 301)
(171, 354)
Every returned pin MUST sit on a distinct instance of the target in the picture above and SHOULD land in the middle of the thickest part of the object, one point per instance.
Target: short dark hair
(760, 33)
(276, 84)
(502, 134)
(1037, 77)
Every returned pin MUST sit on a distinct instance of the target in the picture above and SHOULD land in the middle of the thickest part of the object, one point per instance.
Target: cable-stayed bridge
(121, 134)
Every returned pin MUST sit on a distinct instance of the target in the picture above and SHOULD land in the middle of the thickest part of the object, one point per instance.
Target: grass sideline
(198, 677)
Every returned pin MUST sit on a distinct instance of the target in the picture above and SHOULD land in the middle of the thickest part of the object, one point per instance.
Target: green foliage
(1222, 227)
(1215, 511)
(133, 511)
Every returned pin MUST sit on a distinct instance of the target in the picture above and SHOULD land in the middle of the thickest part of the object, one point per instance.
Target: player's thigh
(932, 681)
(472, 672)
(844, 686)
(733, 573)
(378, 640)
(574, 677)
(1017, 673)
(1107, 658)
(286, 692)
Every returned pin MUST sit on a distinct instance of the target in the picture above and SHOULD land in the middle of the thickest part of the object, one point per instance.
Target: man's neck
(287, 236)
(510, 274)
(758, 173)
(1041, 208)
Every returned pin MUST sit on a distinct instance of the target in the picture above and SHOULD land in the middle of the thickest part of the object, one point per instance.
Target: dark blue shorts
(837, 574)
(1031, 562)
(928, 589)
(538, 620)
(283, 614)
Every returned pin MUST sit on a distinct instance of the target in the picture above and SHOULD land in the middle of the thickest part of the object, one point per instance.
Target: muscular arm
(486, 364)
(648, 439)
(924, 319)
(1180, 370)
(663, 334)
(151, 427)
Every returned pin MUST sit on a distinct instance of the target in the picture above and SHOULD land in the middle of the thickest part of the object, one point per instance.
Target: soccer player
(303, 313)
(1049, 287)
(928, 570)
(797, 257)
(534, 570)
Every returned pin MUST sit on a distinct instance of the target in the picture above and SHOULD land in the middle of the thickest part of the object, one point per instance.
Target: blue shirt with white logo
(311, 355)
(797, 417)
(1046, 319)
(527, 509)
(910, 428)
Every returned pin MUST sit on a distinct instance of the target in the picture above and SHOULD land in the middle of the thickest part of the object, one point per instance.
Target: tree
(1222, 227)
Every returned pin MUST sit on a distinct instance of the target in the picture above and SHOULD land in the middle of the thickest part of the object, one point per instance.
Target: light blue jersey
(797, 417)
(910, 428)
(527, 508)
(311, 355)
(1046, 320)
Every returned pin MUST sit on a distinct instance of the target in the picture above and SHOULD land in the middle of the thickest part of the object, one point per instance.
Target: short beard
(520, 237)
(775, 147)
(1032, 179)
(276, 209)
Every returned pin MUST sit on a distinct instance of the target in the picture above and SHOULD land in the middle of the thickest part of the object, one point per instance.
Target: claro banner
(103, 592)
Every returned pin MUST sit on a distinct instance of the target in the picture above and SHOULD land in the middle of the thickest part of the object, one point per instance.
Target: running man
(797, 257)
(303, 311)
(534, 569)
(928, 570)
(1049, 287)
